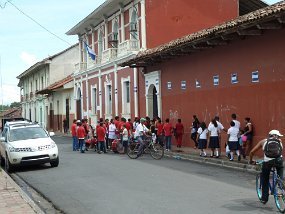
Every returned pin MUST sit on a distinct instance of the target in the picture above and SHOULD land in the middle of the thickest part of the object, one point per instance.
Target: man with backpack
(272, 148)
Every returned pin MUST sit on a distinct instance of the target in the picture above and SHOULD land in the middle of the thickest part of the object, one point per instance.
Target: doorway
(152, 102)
(78, 105)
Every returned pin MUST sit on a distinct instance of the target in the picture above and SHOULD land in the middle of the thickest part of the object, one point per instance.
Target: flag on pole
(90, 52)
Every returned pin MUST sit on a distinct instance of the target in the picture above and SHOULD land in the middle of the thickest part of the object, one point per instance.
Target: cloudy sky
(23, 42)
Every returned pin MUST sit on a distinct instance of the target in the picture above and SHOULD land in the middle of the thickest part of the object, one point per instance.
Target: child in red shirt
(74, 136)
(167, 128)
(101, 133)
(81, 135)
(179, 131)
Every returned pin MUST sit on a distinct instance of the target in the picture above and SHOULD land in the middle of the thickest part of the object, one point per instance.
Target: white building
(47, 89)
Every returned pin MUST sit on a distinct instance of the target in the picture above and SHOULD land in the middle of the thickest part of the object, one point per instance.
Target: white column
(143, 24)
(80, 49)
(106, 34)
(122, 25)
(87, 96)
(116, 90)
(81, 97)
(100, 93)
(136, 92)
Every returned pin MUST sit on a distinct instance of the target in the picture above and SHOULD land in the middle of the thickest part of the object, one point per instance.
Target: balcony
(128, 46)
(79, 67)
(109, 54)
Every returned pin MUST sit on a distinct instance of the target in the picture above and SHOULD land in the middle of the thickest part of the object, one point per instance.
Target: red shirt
(159, 127)
(179, 128)
(167, 129)
(128, 127)
(101, 132)
(130, 124)
(73, 130)
(80, 132)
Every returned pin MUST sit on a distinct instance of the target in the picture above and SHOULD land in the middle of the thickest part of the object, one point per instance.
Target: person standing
(248, 132)
(168, 129)
(65, 126)
(74, 135)
(179, 132)
(214, 143)
(112, 133)
(140, 134)
(125, 137)
(81, 136)
(234, 119)
(160, 133)
(194, 129)
(233, 141)
(202, 137)
(101, 134)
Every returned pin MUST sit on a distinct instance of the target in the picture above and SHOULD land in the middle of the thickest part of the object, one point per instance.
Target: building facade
(46, 96)
(235, 67)
(117, 31)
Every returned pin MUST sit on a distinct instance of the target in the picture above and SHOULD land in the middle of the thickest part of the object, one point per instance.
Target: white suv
(24, 143)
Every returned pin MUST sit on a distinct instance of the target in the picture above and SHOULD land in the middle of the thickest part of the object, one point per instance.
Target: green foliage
(4, 107)
(15, 104)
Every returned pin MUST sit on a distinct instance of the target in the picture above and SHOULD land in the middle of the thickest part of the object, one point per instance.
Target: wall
(170, 19)
(264, 101)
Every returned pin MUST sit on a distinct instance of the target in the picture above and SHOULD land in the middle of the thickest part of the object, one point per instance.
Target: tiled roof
(243, 22)
(56, 85)
(12, 112)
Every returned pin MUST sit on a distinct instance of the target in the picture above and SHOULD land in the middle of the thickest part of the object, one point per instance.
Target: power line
(9, 1)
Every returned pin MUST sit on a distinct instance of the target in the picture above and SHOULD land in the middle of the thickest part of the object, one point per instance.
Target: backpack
(273, 148)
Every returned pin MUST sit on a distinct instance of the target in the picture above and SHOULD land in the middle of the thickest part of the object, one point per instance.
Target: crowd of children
(238, 140)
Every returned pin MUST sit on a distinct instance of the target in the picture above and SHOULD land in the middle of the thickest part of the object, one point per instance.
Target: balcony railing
(128, 46)
(79, 67)
(109, 54)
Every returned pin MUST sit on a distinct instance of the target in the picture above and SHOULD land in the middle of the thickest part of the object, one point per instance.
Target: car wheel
(8, 166)
(55, 162)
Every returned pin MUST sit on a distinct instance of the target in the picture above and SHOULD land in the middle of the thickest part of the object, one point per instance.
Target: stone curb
(211, 161)
(24, 195)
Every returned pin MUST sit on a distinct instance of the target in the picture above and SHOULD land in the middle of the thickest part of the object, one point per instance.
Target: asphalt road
(110, 183)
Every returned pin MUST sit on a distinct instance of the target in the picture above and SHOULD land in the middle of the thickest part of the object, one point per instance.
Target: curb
(216, 162)
(24, 195)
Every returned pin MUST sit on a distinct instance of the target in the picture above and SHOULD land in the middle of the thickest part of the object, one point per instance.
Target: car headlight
(53, 144)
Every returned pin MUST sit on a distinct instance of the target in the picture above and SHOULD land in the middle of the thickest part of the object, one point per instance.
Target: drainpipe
(136, 91)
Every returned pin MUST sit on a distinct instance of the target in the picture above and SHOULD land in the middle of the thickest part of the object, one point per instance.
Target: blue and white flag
(234, 78)
(255, 76)
(90, 52)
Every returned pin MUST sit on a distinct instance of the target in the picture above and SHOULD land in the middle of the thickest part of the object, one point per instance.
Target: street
(112, 183)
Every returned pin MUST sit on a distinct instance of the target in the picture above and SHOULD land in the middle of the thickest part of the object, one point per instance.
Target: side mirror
(2, 139)
(51, 134)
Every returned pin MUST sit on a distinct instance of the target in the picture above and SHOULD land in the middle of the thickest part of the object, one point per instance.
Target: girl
(214, 143)
(233, 141)
(194, 128)
(202, 139)
(179, 131)
(248, 132)
(125, 136)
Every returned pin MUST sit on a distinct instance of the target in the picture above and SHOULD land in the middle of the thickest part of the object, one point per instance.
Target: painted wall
(170, 19)
(263, 102)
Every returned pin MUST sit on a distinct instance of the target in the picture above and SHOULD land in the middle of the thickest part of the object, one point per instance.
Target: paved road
(108, 183)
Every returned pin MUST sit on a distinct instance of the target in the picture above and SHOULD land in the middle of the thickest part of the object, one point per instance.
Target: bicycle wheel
(120, 147)
(259, 186)
(156, 151)
(133, 150)
(279, 195)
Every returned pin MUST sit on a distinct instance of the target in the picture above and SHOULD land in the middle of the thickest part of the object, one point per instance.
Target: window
(127, 86)
(125, 83)
(42, 80)
(108, 98)
(31, 87)
(36, 85)
(133, 24)
(94, 100)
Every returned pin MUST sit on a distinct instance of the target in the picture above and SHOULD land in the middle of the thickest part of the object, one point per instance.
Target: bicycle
(276, 187)
(150, 146)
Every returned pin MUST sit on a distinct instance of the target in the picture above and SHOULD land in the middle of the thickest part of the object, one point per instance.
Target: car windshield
(27, 133)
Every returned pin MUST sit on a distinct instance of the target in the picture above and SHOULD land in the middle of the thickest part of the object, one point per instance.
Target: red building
(234, 67)
(117, 30)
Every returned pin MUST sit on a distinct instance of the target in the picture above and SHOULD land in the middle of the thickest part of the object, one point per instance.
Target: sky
(23, 42)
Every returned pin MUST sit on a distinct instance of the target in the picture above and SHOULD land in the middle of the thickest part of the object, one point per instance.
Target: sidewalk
(13, 199)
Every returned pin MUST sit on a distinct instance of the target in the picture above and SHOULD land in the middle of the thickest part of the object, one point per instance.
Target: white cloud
(28, 59)
(9, 94)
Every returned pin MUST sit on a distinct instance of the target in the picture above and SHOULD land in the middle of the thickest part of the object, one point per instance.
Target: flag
(90, 52)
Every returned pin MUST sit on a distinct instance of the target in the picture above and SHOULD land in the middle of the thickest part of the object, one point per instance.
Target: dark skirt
(202, 144)
(249, 137)
(214, 142)
(233, 145)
